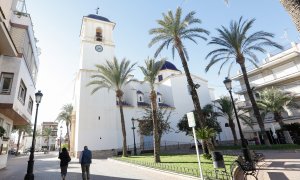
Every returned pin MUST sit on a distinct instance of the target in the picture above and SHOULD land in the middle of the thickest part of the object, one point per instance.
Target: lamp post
(133, 128)
(245, 149)
(29, 175)
(60, 138)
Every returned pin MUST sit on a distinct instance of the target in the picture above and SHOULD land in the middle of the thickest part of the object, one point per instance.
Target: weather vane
(97, 10)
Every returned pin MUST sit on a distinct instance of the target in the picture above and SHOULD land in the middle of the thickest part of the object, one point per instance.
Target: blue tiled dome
(169, 66)
(98, 17)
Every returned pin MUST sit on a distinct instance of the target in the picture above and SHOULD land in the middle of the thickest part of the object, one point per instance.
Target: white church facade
(96, 121)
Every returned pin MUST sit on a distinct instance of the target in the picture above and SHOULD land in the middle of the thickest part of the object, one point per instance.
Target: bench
(257, 157)
(240, 169)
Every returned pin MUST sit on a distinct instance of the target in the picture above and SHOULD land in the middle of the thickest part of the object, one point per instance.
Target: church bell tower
(96, 37)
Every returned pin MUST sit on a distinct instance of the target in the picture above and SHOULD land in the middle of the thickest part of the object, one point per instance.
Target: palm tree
(173, 30)
(113, 75)
(47, 132)
(226, 108)
(22, 129)
(65, 116)
(206, 134)
(235, 44)
(293, 8)
(275, 101)
(150, 72)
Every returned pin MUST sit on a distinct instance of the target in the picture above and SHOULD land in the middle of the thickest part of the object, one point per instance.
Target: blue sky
(57, 25)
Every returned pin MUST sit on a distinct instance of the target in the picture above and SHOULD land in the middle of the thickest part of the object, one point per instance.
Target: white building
(280, 70)
(18, 69)
(96, 121)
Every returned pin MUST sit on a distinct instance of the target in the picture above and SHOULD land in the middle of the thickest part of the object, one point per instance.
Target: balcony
(7, 46)
(17, 117)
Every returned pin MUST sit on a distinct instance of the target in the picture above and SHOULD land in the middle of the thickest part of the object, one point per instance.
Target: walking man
(85, 160)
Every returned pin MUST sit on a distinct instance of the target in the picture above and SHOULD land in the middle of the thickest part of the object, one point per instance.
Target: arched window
(159, 97)
(99, 34)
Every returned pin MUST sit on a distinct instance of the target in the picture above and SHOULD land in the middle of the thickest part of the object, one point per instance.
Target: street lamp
(29, 175)
(245, 149)
(134, 145)
(60, 139)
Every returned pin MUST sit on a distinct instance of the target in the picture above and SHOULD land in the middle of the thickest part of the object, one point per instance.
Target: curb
(157, 170)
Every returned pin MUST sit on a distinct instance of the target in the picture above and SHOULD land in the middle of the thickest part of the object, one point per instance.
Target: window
(30, 105)
(22, 92)
(159, 100)
(6, 83)
(99, 34)
(160, 78)
(140, 98)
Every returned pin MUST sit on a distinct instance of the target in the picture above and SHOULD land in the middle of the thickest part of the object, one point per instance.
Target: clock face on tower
(99, 48)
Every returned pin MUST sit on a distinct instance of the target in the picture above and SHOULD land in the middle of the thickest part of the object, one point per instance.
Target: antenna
(97, 10)
(285, 35)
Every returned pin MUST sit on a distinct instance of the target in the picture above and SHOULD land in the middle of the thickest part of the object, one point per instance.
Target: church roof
(101, 18)
(139, 92)
(169, 66)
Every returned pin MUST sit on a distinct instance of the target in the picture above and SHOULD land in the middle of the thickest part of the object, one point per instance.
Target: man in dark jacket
(85, 160)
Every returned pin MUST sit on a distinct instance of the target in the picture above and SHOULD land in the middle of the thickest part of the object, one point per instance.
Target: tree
(173, 30)
(237, 46)
(210, 120)
(293, 8)
(146, 122)
(276, 101)
(206, 134)
(47, 132)
(226, 109)
(65, 116)
(150, 72)
(2, 131)
(22, 129)
(114, 75)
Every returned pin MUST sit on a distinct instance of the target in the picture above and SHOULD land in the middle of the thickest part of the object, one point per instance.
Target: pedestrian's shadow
(75, 176)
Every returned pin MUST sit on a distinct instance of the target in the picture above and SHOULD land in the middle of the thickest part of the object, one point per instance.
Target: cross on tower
(97, 10)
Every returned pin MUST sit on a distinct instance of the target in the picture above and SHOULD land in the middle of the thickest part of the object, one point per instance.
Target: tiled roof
(143, 104)
(169, 65)
(139, 92)
(163, 105)
(98, 17)
(124, 103)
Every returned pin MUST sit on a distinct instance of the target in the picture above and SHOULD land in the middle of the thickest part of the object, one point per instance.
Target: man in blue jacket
(85, 160)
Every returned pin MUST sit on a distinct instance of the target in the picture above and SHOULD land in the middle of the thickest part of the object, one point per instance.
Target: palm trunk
(278, 118)
(48, 143)
(18, 144)
(293, 8)
(193, 92)
(155, 127)
(123, 126)
(254, 105)
(232, 127)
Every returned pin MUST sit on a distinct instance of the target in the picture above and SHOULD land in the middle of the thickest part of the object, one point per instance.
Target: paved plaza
(277, 166)
(46, 167)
